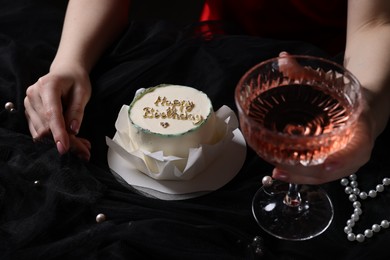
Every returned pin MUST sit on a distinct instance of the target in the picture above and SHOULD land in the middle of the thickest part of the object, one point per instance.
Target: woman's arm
(89, 27)
(368, 55)
(55, 103)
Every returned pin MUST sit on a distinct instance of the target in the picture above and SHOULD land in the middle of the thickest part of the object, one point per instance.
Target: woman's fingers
(43, 104)
(293, 70)
(76, 104)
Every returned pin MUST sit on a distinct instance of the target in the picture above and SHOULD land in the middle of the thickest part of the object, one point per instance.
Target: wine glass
(296, 110)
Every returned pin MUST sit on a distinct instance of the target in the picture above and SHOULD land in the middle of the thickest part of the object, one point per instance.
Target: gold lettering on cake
(164, 124)
(176, 109)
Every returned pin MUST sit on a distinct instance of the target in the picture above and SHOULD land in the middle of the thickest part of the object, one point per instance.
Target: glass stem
(293, 197)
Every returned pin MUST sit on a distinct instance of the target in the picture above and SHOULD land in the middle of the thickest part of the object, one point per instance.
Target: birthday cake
(172, 119)
(171, 132)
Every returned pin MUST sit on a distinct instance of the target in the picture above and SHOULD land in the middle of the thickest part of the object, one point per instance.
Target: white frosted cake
(172, 119)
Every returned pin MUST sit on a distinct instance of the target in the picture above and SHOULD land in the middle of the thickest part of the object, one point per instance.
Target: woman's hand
(55, 106)
(340, 164)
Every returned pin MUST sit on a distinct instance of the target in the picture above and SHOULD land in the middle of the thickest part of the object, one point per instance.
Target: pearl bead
(363, 195)
(368, 233)
(384, 224)
(372, 193)
(351, 236)
(376, 228)
(9, 106)
(348, 190)
(354, 184)
(357, 204)
(100, 218)
(379, 188)
(358, 211)
(360, 238)
(352, 197)
(354, 193)
(344, 182)
(350, 223)
(355, 217)
(267, 181)
(347, 229)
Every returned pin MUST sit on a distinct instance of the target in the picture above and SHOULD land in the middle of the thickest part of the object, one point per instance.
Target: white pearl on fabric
(267, 181)
(100, 218)
(354, 194)
(9, 106)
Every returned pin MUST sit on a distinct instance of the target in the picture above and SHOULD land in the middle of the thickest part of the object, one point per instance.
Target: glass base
(305, 221)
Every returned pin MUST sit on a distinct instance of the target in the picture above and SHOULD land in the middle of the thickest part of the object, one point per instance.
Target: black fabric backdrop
(55, 218)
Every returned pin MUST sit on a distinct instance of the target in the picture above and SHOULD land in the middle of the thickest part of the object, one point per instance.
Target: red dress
(321, 22)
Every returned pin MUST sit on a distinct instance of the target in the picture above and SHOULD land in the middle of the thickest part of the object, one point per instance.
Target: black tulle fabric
(48, 203)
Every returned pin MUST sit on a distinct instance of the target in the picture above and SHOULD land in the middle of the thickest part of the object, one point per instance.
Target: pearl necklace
(354, 193)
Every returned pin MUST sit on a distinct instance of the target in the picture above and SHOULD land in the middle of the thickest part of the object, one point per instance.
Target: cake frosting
(172, 119)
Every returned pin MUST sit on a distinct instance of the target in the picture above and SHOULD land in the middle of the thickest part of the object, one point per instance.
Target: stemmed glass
(296, 110)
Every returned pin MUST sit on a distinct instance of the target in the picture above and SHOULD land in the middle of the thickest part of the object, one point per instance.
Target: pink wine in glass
(298, 112)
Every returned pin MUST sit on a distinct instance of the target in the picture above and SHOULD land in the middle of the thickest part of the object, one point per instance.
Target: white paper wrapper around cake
(161, 167)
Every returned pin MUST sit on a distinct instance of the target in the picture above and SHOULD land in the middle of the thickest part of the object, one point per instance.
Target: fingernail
(282, 54)
(279, 175)
(60, 148)
(74, 126)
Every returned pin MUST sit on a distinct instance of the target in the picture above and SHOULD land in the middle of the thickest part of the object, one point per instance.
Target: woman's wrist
(71, 68)
(377, 109)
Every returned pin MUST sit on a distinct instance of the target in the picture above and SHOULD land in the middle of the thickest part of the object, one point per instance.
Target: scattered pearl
(9, 106)
(267, 181)
(100, 218)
